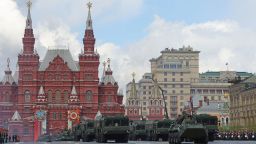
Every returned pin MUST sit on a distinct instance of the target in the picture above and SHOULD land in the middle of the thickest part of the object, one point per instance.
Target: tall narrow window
(60, 115)
(27, 96)
(50, 96)
(66, 96)
(109, 98)
(88, 95)
(58, 96)
(54, 115)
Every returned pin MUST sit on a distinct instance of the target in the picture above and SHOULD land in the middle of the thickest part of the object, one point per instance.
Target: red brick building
(56, 90)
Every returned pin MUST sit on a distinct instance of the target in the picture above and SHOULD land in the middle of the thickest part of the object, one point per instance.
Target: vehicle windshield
(140, 127)
(163, 124)
(116, 122)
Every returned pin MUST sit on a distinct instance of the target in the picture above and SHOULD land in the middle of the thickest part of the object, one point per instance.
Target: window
(144, 103)
(173, 79)
(181, 91)
(109, 99)
(165, 73)
(173, 91)
(144, 87)
(144, 92)
(149, 92)
(165, 79)
(26, 131)
(50, 96)
(173, 86)
(181, 79)
(27, 96)
(54, 116)
(144, 108)
(187, 63)
(58, 96)
(173, 73)
(166, 66)
(88, 95)
(60, 116)
(66, 96)
(181, 86)
(6, 97)
(181, 74)
(173, 66)
(165, 85)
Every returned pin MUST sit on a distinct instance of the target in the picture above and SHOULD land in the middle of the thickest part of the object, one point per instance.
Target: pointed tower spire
(133, 93)
(29, 20)
(73, 97)
(41, 95)
(89, 18)
(104, 71)
(89, 40)
(8, 74)
(28, 39)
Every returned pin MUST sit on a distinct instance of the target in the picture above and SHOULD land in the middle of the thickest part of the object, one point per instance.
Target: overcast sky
(131, 32)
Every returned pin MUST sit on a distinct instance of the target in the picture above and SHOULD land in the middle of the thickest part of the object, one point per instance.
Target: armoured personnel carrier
(88, 133)
(160, 130)
(138, 130)
(112, 128)
(186, 129)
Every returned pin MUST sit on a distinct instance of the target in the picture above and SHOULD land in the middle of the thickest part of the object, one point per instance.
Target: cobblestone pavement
(142, 142)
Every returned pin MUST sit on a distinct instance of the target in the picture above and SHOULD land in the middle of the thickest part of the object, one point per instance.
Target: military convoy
(186, 128)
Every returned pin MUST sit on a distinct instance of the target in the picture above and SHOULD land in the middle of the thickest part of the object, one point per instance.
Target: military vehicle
(64, 136)
(138, 130)
(88, 132)
(112, 128)
(77, 132)
(186, 129)
(160, 130)
(210, 122)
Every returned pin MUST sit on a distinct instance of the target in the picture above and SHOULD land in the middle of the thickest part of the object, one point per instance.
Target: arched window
(27, 96)
(58, 96)
(50, 96)
(88, 95)
(227, 121)
(66, 96)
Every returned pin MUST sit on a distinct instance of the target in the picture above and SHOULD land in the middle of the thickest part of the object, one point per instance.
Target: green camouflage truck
(112, 128)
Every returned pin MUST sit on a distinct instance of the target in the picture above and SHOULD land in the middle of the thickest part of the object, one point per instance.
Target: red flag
(36, 124)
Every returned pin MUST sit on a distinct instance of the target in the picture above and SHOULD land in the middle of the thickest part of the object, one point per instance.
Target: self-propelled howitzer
(187, 129)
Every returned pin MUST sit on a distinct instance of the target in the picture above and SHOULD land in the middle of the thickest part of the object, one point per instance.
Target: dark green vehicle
(112, 128)
(210, 122)
(186, 129)
(161, 130)
(88, 133)
(138, 130)
(77, 132)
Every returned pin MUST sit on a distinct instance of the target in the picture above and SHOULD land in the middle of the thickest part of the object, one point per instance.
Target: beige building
(175, 70)
(177, 73)
(243, 104)
(144, 99)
